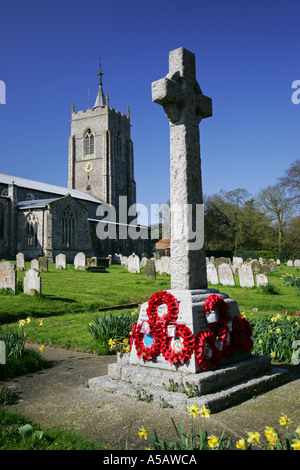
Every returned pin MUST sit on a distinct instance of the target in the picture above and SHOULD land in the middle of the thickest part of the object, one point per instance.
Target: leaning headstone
(212, 274)
(297, 263)
(79, 261)
(32, 282)
(149, 270)
(226, 275)
(133, 265)
(43, 263)
(221, 260)
(246, 275)
(8, 276)
(20, 259)
(60, 261)
(290, 262)
(35, 264)
(271, 264)
(261, 280)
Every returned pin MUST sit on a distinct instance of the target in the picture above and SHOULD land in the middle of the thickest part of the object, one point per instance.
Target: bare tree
(277, 205)
(291, 181)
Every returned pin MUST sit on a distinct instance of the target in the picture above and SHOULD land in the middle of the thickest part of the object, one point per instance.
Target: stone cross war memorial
(189, 335)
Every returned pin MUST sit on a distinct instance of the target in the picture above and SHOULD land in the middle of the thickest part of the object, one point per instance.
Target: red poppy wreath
(207, 355)
(158, 299)
(148, 343)
(241, 334)
(179, 348)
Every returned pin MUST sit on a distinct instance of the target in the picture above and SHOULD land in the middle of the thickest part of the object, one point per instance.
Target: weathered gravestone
(149, 270)
(80, 261)
(261, 280)
(35, 264)
(32, 282)
(212, 274)
(60, 261)
(133, 263)
(189, 328)
(43, 263)
(297, 263)
(144, 261)
(289, 262)
(226, 275)
(8, 276)
(255, 265)
(20, 259)
(246, 276)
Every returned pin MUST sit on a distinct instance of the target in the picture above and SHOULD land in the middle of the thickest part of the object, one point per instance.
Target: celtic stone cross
(185, 106)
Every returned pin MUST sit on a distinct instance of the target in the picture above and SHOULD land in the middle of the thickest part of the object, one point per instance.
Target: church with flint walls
(40, 219)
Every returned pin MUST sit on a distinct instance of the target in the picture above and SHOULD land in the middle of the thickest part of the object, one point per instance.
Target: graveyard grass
(70, 299)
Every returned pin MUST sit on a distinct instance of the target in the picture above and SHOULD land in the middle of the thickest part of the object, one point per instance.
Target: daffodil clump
(274, 336)
(204, 440)
(121, 345)
(272, 439)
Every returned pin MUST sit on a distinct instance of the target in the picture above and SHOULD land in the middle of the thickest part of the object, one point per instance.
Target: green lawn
(70, 299)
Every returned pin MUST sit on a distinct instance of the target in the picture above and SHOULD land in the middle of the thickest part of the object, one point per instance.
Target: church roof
(46, 188)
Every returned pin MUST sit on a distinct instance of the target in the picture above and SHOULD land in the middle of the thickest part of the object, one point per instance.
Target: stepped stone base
(217, 390)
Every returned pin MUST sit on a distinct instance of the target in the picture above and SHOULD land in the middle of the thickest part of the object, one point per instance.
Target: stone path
(58, 397)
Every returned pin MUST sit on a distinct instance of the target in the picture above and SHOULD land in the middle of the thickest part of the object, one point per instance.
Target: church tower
(101, 152)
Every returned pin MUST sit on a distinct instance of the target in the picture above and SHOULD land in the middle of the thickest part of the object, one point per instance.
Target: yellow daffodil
(28, 320)
(296, 444)
(41, 323)
(205, 412)
(125, 341)
(278, 330)
(111, 342)
(284, 421)
(253, 437)
(42, 348)
(21, 323)
(260, 341)
(298, 430)
(271, 331)
(127, 349)
(213, 441)
(273, 354)
(193, 410)
(241, 444)
(272, 437)
(143, 433)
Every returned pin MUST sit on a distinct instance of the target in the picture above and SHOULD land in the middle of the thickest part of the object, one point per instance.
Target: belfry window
(89, 143)
(68, 228)
(31, 229)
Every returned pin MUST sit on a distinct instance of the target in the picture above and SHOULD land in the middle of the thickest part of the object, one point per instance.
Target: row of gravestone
(134, 264)
(224, 274)
(80, 262)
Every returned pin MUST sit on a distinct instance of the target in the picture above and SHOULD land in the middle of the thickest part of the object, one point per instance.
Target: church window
(119, 146)
(68, 228)
(1, 222)
(31, 230)
(89, 143)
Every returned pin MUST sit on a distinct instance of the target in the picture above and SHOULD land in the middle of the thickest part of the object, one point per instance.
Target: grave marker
(60, 261)
(8, 276)
(32, 282)
(20, 259)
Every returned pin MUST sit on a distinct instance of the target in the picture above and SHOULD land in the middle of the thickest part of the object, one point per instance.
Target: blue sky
(247, 56)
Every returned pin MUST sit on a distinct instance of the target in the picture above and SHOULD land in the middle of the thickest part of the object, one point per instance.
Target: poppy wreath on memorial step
(241, 335)
(220, 327)
(143, 351)
(207, 355)
(158, 299)
(187, 346)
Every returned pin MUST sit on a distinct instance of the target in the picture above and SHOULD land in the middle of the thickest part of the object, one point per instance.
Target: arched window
(31, 228)
(119, 146)
(89, 140)
(68, 228)
(1, 222)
